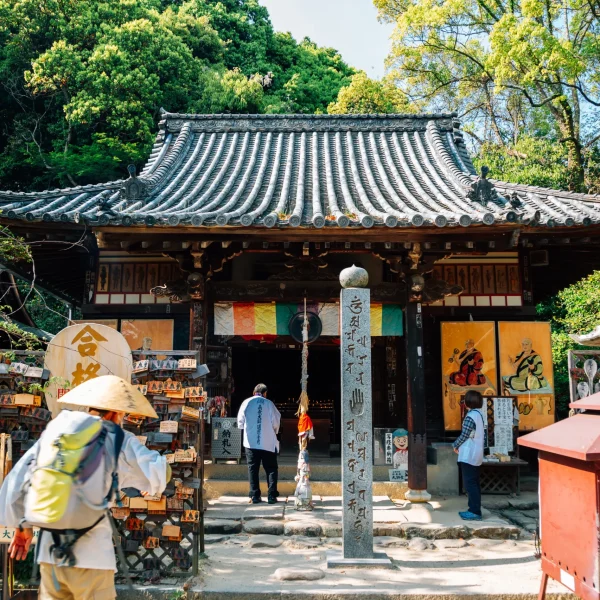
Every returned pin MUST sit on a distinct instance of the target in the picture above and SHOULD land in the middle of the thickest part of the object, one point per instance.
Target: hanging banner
(255, 318)
(82, 352)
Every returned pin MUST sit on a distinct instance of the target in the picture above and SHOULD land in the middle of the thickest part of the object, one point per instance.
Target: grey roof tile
(309, 171)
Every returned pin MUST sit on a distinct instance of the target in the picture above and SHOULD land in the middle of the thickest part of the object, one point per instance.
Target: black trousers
(470, 476)
(269, 463)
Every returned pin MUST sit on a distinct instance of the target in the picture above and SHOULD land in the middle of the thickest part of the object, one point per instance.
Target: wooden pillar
(417, 426)
(199, 321)
(198, 327)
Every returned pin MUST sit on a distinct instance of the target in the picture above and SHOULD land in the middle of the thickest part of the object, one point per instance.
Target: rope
(303, 402)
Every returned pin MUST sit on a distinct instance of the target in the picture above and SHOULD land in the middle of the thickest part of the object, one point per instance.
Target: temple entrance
(278, 366)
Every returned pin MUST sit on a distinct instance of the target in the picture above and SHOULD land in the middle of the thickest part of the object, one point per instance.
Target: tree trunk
(576, 170)
(570, 130)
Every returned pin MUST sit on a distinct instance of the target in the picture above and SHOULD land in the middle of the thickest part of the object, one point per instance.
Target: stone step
(215, 488)
(326, 472)
(319, 528)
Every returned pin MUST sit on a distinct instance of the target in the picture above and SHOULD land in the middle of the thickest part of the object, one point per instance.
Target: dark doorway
(280, 369)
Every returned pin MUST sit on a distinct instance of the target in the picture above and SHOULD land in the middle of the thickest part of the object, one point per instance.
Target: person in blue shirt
(469, 447)
(260, 420)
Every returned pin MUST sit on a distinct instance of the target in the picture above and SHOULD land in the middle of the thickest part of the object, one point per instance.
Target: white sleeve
(12, 495)
(141, 468)
(241, 418)
(275, 418)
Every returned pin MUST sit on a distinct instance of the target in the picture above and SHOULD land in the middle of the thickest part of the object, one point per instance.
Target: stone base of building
(380, 560)
(417, 496)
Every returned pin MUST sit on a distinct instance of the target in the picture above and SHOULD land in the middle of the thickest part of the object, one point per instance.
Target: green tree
(303, 77)
(500, 62)
(365, 95)
(14, 249)
(246, 30)
(575, 309)
(307, 77)
(83, 81)
(48, 313)
(531, 160)
(229, 92)
(86, 93)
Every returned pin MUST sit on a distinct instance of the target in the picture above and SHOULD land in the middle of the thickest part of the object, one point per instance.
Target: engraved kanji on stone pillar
(357, 430)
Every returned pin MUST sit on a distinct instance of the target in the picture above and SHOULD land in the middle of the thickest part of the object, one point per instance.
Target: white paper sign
(389, 449)
(503, 411)
(398, 475)
(503, 437)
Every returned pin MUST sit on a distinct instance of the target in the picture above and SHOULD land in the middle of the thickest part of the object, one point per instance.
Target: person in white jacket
(260, 419)
(93, 576)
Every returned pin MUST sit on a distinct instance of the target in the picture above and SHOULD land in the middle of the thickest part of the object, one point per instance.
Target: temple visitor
(469, 447)
(260, 419)
(75, 547)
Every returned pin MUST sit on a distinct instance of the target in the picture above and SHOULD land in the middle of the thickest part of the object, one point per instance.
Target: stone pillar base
(417, 496)
(380, 560)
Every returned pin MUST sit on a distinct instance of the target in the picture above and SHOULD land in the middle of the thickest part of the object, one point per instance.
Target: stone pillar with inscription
(357, 424)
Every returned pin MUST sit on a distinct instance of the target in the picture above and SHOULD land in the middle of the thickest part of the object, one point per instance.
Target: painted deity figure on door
(469, 363)
(470, 366)
(528, 370)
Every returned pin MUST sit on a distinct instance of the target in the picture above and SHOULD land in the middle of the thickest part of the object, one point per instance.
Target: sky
(350, 26)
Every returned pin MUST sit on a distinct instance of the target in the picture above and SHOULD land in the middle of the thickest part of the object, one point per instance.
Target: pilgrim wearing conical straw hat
(110, 393)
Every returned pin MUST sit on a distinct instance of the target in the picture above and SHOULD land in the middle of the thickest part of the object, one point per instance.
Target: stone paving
(522, 511)
(438, 519)
(266, 566)
(259, 552)
(264, 552)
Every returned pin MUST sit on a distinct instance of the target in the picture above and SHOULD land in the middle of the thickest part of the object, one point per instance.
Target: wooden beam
(417, 423)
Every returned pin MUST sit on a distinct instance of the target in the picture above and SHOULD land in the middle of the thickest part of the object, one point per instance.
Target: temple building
(235, 220)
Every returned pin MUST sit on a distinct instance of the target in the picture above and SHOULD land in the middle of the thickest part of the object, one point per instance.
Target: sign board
(168, 426)
(82, 352)
(398, 475)
(226, 439)
(390, 447)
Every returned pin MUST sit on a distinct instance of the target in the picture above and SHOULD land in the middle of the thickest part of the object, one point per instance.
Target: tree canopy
(365, 95)
(576, 309)
(84, 80)
(509, 68)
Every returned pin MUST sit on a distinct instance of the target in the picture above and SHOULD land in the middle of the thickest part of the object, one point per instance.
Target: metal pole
(195, 546)
(201, 494)
(5, 559)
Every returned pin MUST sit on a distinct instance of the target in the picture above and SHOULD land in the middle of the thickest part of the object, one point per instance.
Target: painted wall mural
(468, 363)
(148, 334)
(526, 371)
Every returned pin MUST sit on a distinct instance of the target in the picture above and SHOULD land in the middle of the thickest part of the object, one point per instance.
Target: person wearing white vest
(469, 447)
(260, 419)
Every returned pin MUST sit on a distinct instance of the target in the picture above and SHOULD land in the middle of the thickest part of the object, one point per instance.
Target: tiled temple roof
(306, 171)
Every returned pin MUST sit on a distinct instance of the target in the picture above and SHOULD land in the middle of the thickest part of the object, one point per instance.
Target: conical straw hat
(110, 392)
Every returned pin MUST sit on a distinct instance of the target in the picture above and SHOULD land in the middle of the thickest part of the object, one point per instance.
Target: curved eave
(351, 172)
